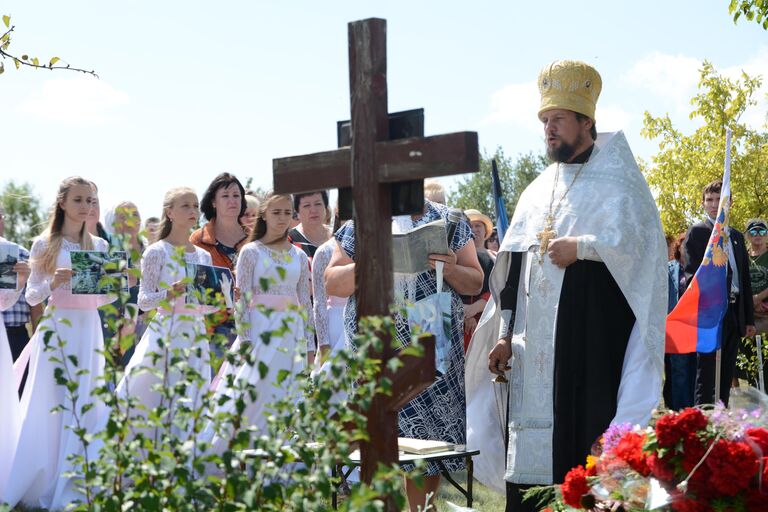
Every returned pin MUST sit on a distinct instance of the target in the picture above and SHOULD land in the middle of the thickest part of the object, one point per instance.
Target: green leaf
(53, 61)
(7, 21)
(35, 61)
(2, 68)
(18, 64)
(24, 57)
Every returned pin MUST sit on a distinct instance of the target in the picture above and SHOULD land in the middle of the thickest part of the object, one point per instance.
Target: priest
(572, 339)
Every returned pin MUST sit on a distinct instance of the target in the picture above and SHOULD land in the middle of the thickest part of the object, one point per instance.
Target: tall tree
(686, 163)
(474, 191)
(23, 214)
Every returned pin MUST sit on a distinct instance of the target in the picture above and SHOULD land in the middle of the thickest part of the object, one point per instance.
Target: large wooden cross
(371, 166)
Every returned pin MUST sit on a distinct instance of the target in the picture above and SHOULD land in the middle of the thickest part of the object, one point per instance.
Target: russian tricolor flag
(695, 324)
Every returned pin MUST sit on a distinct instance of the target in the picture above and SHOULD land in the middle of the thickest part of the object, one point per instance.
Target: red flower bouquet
(688, 461)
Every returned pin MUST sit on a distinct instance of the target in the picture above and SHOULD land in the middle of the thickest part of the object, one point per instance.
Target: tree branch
(23, 61)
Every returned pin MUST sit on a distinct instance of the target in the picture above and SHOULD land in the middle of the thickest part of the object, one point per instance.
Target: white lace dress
(257, 265)
(37, 473)
(328, 309)
(9, 396)
(181, 331)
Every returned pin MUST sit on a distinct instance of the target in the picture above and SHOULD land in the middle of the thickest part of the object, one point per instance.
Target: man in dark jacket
(739, 318)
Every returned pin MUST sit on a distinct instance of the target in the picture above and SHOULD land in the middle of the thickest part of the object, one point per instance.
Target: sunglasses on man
(758, 232)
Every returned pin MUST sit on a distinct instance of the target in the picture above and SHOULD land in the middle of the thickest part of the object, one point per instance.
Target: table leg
(470, 480)
(334, 494)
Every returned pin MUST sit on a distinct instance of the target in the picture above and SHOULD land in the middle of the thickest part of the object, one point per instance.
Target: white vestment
(612, 213)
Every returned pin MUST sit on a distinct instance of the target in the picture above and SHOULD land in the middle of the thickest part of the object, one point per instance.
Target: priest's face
(565, 135)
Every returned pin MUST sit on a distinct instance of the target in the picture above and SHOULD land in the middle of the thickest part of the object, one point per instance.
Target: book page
(411, 250)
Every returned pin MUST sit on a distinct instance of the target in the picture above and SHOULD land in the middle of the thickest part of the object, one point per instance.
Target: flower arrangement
(689, 461)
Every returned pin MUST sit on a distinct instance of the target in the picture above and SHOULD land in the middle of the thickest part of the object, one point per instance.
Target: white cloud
(673, 77)
(611, 118)
(516, 104)
(78, 100)
(755, 116)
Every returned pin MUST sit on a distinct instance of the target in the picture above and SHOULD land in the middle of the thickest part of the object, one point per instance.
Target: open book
(98, 272)
(9, 256)
(411, 250)
(421, 446)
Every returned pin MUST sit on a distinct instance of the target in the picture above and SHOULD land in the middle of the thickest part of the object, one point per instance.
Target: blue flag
(502, 222)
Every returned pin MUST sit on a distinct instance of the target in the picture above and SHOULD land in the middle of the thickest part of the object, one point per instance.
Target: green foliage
(748, 362)
(752, 10)
(475, 191)
(23, 214)
(154, 458)
(678, 173)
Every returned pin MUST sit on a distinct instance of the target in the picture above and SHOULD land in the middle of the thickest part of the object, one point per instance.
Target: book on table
(422, 446)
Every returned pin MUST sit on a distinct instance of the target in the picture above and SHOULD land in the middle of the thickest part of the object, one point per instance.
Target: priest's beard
(565, 151)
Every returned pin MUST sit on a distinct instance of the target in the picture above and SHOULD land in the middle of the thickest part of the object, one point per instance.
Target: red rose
(691, 420)
(661, 469)
(733, 465)
(667, 433)
(574, 487)
(764, 480)
(756, 501)
(686, 505)
(759, 436)
(693, 450)
(630, 450)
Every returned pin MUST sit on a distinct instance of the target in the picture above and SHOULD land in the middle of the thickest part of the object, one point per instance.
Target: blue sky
(190, 89)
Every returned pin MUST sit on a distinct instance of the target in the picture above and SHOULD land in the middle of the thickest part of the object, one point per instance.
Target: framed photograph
(9, 256)
(98, 273)
(210, 285)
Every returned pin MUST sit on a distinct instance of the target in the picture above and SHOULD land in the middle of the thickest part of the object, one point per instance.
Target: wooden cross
(371, 166)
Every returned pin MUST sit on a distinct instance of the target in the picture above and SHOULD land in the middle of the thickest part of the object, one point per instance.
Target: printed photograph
(209, 285)
(9, 256)
(98, 273)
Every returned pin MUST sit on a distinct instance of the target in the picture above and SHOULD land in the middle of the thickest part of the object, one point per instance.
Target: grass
(485, 499)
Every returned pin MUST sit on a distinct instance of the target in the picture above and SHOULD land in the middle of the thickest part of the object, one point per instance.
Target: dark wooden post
(371, 166)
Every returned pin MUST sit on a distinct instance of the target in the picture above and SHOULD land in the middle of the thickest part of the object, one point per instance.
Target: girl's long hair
(52, 233)
(168, 200)
(260, 228)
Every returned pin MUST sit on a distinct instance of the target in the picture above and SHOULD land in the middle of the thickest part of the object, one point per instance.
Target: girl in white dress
(269, 255)
(37, 473)
(9, 394)
(180, 331)
(328, 310)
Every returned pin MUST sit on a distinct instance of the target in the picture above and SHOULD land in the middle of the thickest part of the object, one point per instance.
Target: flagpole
(726, 172)
(717, 375)
(761, 377)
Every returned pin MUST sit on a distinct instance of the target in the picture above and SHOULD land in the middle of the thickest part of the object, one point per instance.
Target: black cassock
(593, 327)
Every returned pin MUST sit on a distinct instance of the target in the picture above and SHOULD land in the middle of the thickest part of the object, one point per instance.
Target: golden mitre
(570, 85)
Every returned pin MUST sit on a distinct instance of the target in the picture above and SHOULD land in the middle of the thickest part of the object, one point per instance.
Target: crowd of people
(567, 311)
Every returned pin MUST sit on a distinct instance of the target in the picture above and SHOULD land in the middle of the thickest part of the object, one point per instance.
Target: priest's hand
(499, 357)
(751, 331)
(563, 251)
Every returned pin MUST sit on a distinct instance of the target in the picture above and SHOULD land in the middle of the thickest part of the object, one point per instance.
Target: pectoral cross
(545, 236)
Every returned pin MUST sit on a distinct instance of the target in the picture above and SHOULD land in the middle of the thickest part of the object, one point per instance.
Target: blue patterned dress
(440, 411)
